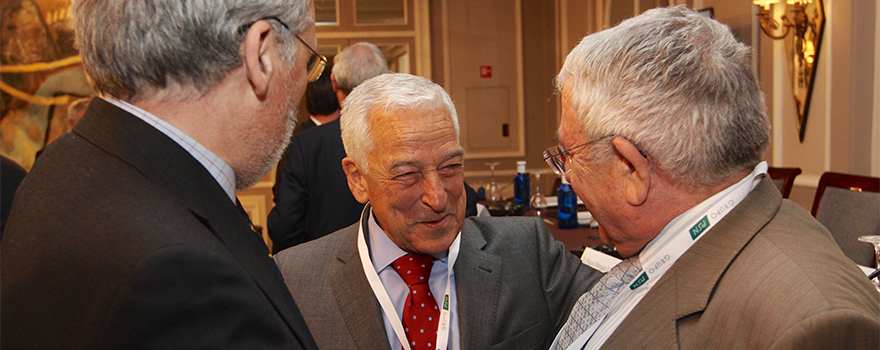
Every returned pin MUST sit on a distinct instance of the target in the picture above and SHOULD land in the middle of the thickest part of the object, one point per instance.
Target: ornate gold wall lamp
(806, 19)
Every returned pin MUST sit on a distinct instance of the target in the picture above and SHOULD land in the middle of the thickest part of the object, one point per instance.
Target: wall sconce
(806, 19)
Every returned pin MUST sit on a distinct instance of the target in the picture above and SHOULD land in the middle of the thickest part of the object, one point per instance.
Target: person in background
(127, 233)
(354, 65)
(321, 103)
(11, 175)
(75, 111)
(512, 286)
(662, 134)
(311, 194)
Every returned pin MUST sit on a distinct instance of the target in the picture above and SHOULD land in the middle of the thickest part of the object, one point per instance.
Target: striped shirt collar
(218, 168)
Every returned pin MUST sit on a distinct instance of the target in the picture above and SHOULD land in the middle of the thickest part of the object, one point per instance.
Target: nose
(434, 195)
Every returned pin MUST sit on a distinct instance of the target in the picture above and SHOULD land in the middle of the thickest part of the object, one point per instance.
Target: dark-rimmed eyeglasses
(317, 62)
(558, 158)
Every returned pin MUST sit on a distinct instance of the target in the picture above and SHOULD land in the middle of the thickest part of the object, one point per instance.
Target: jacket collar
(688, 286)
(175, 171)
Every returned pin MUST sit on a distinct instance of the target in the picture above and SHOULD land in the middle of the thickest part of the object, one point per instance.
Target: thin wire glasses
(317, 62)
(558, 158)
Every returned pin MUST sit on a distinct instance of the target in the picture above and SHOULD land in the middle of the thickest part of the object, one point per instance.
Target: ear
(637, 174)
(259, 48)
(333, 80)
(357, 181)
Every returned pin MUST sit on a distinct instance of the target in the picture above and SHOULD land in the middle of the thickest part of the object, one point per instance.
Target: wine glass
(875, 241)
(493, 193)
(538, 201)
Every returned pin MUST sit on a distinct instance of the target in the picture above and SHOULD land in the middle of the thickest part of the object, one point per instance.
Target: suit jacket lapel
(478, 283)
(170, 167)
(358, 305)
(687, 287)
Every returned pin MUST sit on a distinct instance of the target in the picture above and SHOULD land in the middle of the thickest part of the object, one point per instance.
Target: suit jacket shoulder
(146, 251)
(327, 279)
(766, 276)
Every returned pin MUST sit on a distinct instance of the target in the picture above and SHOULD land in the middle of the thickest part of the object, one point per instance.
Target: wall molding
(807, 180)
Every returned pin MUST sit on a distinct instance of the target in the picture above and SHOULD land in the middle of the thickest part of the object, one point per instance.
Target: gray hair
(357, 63)
(678, 86)
(387, 93)
(134, 48)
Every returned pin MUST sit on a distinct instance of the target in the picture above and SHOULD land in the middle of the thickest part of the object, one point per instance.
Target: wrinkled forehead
(398, 133)
(412, 119)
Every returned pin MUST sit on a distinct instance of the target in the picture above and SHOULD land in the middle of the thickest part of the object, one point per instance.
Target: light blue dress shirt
(218, 168)
(383, 252)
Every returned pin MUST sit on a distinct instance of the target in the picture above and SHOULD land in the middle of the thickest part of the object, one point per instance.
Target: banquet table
(575, 239)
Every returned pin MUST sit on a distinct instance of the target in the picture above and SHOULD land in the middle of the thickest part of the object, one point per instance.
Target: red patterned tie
(420, 313)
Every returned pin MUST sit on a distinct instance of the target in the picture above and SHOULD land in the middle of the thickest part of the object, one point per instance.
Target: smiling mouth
(434, 224)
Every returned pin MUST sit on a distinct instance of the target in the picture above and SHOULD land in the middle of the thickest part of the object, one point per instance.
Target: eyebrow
(457, 153)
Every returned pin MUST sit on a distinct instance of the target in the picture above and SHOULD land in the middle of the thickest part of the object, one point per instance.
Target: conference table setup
(576, 239)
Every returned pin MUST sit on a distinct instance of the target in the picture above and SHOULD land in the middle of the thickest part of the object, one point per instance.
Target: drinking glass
(538, 201)
(875, 241)
(493, 193)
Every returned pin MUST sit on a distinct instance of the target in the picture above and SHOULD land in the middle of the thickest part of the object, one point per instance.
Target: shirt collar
(752, 180)
(383, 251)
(222, 172)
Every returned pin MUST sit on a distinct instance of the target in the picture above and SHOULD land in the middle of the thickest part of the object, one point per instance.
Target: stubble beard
(269, 149)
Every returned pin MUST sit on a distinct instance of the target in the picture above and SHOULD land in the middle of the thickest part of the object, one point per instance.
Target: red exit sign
(485, 71)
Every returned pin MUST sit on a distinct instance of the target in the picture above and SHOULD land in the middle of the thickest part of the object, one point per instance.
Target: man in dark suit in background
(311, 194)
(321, 103)
(512, 284)
(148, 249)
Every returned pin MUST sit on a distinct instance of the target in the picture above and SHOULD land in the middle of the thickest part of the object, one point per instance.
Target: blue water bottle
(568, 211)
(521, 185)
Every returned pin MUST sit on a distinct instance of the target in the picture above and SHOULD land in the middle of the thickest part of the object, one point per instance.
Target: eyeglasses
(317, 62)
(557, 157)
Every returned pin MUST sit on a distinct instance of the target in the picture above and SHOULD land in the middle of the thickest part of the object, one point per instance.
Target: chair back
(849, 207)
(783, 178)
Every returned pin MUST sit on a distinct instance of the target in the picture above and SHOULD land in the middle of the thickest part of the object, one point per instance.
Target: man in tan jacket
(662, 133)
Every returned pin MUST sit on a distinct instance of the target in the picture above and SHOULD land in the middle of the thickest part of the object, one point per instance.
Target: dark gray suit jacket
(120, 239)
(767, 276)
(312, 198)
(515, 287)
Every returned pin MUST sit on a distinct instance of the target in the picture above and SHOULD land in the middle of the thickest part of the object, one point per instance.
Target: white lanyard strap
(685, 230)
(690, 226)
(385, 300)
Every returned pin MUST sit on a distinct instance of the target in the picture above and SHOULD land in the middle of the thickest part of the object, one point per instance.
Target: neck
(205, 117)
(324, 119)
(665, 202)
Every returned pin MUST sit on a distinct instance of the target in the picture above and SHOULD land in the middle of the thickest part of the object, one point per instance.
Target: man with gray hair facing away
(354, 65)
(512, 284)
(150, 249)
(311, 194)
(662, 133)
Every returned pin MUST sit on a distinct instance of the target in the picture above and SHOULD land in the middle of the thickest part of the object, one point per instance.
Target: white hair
(678, 86)
(387, 93)
(357, 63)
